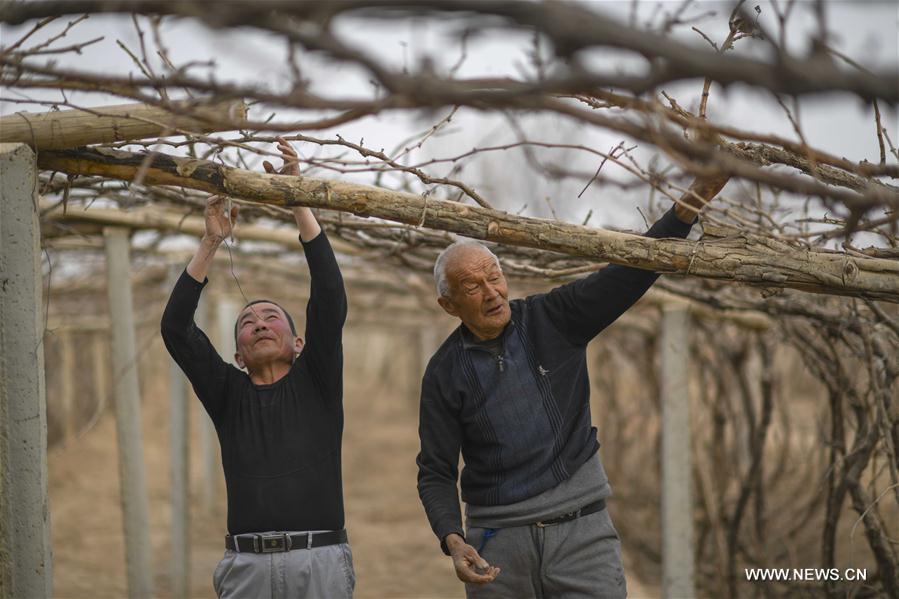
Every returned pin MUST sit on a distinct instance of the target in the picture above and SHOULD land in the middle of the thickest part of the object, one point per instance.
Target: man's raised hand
(289, 156)
(306, 223)
(219, 222)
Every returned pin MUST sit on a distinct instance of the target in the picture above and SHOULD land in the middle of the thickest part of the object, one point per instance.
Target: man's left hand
(289, 156)
(706, 188)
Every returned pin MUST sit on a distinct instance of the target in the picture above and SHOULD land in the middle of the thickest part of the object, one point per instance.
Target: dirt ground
(395, 553)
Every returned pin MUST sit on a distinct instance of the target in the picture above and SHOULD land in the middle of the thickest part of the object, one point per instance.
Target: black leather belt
(590, 508)
(271, 542)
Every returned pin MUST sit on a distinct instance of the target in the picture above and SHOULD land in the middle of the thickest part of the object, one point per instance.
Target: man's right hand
(470, 567)
(219, 223)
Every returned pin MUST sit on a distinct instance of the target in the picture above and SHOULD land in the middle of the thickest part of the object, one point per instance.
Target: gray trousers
(318, 573)
(580, 558)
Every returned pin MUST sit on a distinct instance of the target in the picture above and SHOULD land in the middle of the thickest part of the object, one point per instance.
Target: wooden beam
(740, 258)
(148, 218)
(366, 278)
(125, 122)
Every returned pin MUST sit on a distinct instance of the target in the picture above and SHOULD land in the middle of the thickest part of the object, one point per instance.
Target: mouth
(496, 310)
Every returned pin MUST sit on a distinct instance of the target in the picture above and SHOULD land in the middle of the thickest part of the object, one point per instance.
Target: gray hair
(440, 264)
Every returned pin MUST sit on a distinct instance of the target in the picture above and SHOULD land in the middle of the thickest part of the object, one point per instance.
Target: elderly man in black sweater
(509, 389)
(279, 423)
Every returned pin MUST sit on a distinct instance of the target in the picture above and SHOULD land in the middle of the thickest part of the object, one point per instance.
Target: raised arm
(185, 342)
(306, 223)
(327, 308)
(583, 308)
(701, 191)
(219, 224)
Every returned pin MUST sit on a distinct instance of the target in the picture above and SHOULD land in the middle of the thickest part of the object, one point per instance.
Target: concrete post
(225, 315)
(429, 340)
(210, 464)
(25, 560)
(67, 366)
(180, 491)
(677, 506)
(127, 405)
(101, 375)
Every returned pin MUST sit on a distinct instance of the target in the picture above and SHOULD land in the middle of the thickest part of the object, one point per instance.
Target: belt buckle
(558, 519)
(272, 542)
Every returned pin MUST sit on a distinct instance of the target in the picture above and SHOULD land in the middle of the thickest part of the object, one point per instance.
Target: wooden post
(180, 491)
(25, 560)
(127, 405)
(105, 124)
(677, 506)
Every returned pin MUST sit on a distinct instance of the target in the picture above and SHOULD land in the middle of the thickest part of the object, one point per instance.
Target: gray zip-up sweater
(521, 419)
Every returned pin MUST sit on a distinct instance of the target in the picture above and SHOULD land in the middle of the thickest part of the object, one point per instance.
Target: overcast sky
(866, 31)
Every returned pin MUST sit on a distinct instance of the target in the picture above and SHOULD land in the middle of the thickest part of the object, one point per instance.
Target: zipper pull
(499, 360)
(543, 371)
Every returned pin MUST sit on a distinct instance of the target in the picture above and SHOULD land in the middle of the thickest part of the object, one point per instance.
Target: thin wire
(234, 274)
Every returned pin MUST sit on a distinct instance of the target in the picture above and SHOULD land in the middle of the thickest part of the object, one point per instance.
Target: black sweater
(523, 429)
(281, 442)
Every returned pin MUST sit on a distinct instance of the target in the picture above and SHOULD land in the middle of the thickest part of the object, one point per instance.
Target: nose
(490, 291)
(260, 326)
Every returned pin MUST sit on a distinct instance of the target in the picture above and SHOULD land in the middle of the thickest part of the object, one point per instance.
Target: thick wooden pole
(171, 221)
(677, 506)
(105, 124)
(180, 476)
(25, 560)
(127, 406)
(741, 258)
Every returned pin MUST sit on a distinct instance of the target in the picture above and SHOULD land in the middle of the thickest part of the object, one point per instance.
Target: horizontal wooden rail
(739, 257)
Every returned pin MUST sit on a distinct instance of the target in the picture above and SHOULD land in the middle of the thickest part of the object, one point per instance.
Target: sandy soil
(395, 552)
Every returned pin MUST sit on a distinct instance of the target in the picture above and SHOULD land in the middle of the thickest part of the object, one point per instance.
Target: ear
(239, 361)
(447, 305)
(298, 344)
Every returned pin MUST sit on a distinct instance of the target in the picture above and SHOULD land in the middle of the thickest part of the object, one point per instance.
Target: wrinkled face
(264, 337)
(478, 293)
